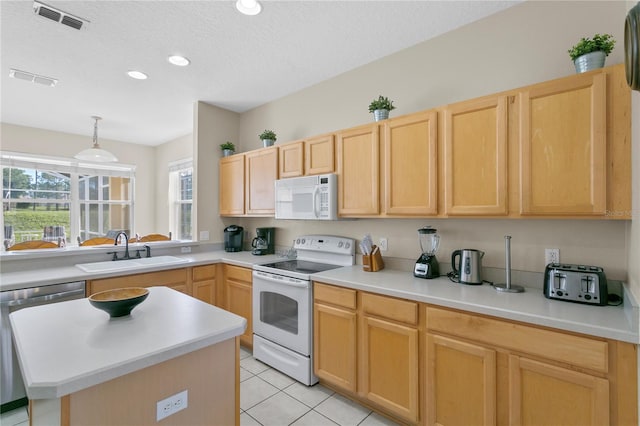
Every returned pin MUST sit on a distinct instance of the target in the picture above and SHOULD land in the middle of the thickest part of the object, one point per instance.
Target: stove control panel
(325, 243)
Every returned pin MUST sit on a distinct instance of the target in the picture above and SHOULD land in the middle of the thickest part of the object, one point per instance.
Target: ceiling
(238, 62)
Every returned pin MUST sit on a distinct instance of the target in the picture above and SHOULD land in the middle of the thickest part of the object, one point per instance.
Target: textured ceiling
(238, 62)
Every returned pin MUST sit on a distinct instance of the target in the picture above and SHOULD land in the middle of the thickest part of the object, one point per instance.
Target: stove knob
(298, 241)
(304, 240)
(340, 244)
(347, 245)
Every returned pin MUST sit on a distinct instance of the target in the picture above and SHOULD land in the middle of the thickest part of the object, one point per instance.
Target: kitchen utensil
(508, 287)
(468, 268)
(233, 238)
(427, 265)
(576, 283)
(264, 242)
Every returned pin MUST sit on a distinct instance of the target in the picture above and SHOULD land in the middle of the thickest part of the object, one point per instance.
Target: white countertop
(68, 346)
(612, 322)
(55, 273)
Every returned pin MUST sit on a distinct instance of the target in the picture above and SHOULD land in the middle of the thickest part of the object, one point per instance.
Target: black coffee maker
(233, 238)
(264, 242)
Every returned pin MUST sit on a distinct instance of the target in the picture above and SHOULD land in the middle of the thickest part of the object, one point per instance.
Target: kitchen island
(81, 367)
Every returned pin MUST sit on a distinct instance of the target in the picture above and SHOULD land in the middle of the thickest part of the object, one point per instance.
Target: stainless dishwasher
(12, 387)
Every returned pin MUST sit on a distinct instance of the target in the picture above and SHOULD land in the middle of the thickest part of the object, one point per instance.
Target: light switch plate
(204, 235)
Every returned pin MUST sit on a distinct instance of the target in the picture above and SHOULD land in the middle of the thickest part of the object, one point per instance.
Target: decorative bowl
(120, 301)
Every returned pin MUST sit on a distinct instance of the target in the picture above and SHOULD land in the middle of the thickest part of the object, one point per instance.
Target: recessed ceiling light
(138, 75)
(248, 7)
(178, 60)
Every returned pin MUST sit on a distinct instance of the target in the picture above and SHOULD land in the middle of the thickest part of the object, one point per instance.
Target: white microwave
(308, 197)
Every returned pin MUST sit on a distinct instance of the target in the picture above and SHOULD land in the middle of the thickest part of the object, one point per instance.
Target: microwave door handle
(316, 210)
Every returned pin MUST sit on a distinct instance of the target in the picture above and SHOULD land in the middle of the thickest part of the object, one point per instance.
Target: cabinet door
(543, 394)
(231, 185)
(461, 383)
(204, 283)
(358, 172)
(238, 297)
(290, 158)
(410, 165)
(563, 147)
(475, 145)
(319, 155)
(260, 174)
(334, 343)
(389, 366)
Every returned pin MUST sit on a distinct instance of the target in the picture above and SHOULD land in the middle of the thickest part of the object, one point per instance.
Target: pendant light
(95, 153)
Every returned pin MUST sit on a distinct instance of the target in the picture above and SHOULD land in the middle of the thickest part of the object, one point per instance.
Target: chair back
(153, 237)
(97, 241)
(31, 245)
(54, 233)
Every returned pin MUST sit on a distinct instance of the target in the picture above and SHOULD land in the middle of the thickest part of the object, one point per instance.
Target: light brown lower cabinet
(238, 298)
(177, 279)
(428, 365)
(204, 283)
(486, 371)
(366, 346)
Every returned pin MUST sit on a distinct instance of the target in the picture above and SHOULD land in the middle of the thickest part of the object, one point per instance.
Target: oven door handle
(292, 282)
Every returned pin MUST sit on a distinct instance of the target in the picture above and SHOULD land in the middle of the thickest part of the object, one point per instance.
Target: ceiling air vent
(58, 15)
(34, 78)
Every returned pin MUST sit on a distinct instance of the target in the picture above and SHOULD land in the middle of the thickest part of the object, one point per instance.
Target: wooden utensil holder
(372, 262)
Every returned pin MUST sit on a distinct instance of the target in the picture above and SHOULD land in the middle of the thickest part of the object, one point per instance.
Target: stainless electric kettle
(468, 268)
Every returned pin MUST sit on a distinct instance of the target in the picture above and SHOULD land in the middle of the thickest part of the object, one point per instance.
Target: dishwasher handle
(23, 303)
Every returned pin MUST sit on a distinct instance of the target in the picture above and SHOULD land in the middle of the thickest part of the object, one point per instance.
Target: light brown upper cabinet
(564, 146)
(231, 185)
(291, 159)
(319, 155)
(359, 171)
(475, 157)
(261, 172)
(410, 165)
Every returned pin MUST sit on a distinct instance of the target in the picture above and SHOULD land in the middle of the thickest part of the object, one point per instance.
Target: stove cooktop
(300, 266)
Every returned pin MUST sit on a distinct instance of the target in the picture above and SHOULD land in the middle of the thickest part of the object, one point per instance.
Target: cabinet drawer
(558, 346)
(205, 272)
(335, 295)
(387, 307)
(237, 273)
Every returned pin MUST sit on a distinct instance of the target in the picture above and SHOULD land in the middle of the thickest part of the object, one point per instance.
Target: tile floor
(270, 398)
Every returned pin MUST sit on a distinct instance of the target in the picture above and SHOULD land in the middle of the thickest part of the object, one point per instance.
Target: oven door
(282, 310)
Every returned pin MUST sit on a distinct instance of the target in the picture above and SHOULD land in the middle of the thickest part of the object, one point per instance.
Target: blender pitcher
(427, 265)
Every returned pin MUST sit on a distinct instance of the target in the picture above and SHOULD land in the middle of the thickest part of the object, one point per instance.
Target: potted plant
(589, 54)
(228, 148)
(380, 108)
(268, 137)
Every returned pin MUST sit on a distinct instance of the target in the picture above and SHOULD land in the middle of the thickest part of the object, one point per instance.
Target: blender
(427, 265)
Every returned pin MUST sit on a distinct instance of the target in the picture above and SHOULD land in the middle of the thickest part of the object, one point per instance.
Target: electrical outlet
(185, 249)
(551, 256)
(204, 235)
(383, 243)
(172, 405)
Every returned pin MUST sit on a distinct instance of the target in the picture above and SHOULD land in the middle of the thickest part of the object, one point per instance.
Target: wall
(39, 141)
(177, 149)
(523, 45)
(212, 126)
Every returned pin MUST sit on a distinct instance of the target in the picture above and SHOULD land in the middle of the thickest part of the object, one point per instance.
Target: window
(62, 200)
(181, 198)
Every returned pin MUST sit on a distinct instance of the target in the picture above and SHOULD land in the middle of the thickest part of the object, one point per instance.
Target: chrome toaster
(576, 283)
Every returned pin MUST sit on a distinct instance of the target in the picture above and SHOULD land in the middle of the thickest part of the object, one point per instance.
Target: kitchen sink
(120, 265)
